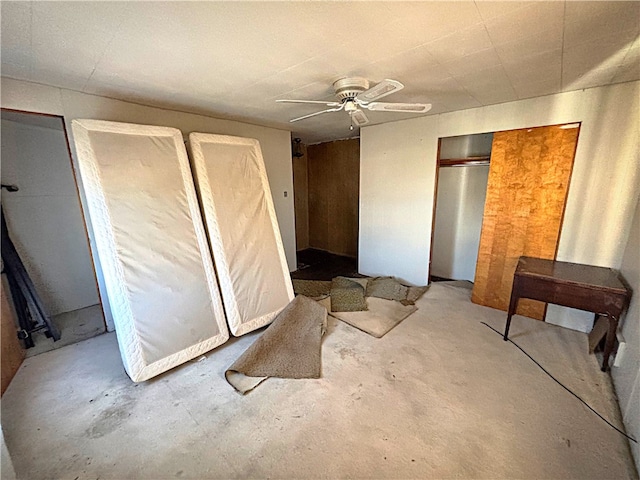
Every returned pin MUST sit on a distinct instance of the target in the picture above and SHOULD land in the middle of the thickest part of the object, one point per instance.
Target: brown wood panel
(334, 193)
(526, 195)
(319, 184)
(301, 198)
(11, 352)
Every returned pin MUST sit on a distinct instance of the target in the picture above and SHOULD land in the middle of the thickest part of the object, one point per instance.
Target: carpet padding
(289, 348)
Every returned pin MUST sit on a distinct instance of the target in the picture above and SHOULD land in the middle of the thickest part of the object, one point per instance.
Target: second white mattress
(243, 229)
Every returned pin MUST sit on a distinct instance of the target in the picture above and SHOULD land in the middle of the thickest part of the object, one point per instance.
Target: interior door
(526, 195)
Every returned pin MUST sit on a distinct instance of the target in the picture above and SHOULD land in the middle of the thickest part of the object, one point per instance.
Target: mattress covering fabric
(159, 275)
(243, 229)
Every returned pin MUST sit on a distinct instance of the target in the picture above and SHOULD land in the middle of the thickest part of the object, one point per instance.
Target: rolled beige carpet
(289, 348)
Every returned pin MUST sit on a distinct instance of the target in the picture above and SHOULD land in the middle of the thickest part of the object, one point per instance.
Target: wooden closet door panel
(526, 194)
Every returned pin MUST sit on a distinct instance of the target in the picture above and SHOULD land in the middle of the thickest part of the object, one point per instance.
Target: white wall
(459, 211)
(626, 377)
(44, 217)
(466, 146)
(397, 173)
(275, 144)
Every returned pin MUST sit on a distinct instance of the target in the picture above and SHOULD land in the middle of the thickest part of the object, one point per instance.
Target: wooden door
(526, 195)
(11, 352)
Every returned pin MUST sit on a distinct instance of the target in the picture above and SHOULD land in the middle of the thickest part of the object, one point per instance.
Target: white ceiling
(234, 59)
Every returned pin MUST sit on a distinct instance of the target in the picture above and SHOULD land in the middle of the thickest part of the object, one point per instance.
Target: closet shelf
(465, 161)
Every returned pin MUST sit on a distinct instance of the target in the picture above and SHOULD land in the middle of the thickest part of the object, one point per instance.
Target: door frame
(74, 174)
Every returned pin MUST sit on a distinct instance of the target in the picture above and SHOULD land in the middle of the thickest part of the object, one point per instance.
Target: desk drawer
(568, 295)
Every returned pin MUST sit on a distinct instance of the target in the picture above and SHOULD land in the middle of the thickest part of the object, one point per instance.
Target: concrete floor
(439, 396)
(74, 327)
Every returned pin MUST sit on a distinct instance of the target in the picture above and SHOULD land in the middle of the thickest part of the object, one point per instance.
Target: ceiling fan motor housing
(349, 87)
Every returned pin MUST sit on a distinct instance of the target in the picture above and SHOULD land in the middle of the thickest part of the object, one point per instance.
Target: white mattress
(158, 271)
(243, 229)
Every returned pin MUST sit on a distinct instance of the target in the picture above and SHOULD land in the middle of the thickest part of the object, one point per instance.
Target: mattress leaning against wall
(158, 271)
(243, 229)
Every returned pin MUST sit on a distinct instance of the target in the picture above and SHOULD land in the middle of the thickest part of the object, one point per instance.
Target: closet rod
(464, 161)
(465, 164)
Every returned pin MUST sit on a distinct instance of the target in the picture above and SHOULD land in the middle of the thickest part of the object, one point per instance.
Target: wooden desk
(585, 287)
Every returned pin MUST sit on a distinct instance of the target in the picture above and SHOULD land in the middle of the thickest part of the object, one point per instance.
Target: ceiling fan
(354, 95)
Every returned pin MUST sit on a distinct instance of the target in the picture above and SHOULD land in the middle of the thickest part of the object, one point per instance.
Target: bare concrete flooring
(74, 327)
(439, 396)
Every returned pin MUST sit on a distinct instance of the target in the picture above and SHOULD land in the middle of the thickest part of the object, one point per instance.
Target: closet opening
(461, 188)
(45, 223)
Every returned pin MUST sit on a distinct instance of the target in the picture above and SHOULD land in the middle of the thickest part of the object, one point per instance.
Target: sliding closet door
(528, 184)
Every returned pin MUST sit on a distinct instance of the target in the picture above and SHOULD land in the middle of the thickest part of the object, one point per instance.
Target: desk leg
(610, 341)
(513, 305)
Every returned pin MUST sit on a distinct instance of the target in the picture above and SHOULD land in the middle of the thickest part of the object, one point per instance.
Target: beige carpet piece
(414, 294)
(315, 289)
(382, 315)
(391, 289)
(388, 288)
(348, 294)
(289, 348)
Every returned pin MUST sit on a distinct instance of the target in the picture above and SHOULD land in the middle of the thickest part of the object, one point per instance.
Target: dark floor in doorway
(435, 278)
(320, 265)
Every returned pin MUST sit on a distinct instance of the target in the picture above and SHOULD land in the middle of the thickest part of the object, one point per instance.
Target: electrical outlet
(286, 194)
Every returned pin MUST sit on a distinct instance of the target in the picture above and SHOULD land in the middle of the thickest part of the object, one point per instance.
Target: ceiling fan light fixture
(350, 106)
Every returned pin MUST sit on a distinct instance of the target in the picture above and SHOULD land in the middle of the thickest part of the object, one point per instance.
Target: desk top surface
(585, 275)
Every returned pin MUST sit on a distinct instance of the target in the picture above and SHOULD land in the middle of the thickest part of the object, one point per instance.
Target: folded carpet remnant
(315, 289)
(391, 289)
(388, 288)
(380, 318)
(347, 294)
(413, 294)
(289, 348)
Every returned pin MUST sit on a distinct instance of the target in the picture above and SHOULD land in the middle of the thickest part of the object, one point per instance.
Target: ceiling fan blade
(316, 113)
(384, 88)
(359, 118)
(319, 102)
(399, 107)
